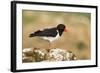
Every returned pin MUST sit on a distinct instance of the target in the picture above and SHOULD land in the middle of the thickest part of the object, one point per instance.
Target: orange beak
(65, 30)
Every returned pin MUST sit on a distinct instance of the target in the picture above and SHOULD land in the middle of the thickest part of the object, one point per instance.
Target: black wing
(46, 32)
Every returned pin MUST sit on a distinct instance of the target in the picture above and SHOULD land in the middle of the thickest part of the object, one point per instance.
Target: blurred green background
(77, 39)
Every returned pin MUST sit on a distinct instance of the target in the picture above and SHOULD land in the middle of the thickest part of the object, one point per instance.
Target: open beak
(65, 29)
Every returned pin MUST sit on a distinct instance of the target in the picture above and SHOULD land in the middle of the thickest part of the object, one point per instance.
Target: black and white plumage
(50, 34)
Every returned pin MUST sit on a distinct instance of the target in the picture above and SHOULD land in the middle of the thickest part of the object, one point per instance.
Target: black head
(61, 28)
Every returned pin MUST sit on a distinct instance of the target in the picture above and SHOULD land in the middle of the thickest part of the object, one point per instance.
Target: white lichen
(27, 50)
(39, 52)
(58, 54)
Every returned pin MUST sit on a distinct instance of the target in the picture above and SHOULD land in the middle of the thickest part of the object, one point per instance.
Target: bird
(50, 34)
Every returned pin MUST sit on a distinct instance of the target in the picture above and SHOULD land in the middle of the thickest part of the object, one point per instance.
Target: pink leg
(49, 46)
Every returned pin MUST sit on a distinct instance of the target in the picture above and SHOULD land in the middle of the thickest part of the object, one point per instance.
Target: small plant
(81, 45)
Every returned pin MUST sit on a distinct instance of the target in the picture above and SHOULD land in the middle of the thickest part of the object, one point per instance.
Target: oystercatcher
(50, 34)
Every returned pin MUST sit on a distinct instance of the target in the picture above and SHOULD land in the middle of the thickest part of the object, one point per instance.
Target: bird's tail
(31, 35)
(35, 34)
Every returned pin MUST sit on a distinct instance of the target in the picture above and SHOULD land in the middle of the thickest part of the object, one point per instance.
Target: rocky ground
(40, 55)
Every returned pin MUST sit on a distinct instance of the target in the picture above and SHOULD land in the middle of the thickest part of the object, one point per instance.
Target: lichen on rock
(58, 54)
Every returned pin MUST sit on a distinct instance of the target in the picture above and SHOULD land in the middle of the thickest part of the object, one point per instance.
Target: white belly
(51, 38)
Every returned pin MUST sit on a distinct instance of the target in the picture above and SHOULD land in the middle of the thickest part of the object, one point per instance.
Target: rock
(28, 59)
(40, 55)
(70, 56)
(58, 54)
(28, 51)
